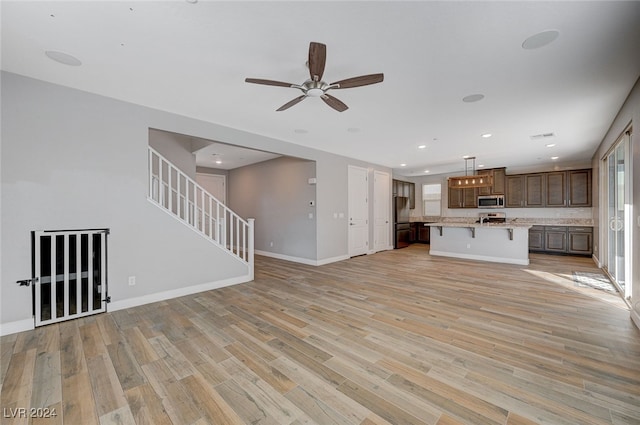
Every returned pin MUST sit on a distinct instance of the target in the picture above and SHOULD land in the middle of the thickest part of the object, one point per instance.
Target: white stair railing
(182, 197)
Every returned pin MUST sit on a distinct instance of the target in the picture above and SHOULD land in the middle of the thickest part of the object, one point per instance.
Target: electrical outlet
(132, 280)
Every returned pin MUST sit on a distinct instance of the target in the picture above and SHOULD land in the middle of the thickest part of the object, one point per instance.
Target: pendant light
(470, 181)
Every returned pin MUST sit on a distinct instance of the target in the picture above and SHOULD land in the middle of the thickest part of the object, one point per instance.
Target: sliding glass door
(618, 216)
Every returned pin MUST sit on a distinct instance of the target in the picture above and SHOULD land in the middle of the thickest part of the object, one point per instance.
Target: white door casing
(381, 210)
(358, 211)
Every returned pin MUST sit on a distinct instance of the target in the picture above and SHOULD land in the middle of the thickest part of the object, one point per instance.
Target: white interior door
(215, 184)
(381, 210)
(358, 211)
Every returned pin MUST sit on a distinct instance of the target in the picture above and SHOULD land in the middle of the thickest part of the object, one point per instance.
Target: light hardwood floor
(397, 337)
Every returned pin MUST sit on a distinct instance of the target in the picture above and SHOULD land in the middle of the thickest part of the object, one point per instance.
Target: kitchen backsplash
(521, 213)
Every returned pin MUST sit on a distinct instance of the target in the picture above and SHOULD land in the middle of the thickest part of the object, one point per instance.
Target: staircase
(183, 198)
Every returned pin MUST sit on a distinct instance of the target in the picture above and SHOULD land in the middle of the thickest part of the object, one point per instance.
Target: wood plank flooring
(397, 337)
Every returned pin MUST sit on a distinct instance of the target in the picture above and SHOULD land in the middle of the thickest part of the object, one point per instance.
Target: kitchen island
(495, 242)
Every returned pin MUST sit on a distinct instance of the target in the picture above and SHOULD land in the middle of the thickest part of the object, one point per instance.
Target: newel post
(251, 222)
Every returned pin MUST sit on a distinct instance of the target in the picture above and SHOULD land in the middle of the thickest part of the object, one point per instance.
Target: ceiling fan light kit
(315, 86)
(470, 181)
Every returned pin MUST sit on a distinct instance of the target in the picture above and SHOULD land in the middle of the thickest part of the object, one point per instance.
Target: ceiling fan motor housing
(314, 88)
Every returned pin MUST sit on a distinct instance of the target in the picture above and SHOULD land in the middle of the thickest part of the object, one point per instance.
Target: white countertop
(507, 225)
(465, 222)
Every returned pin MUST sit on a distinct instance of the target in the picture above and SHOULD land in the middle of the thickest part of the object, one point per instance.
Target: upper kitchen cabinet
(551, 190)
(406, 189)
(463, 198)
(534, 190)
(412, 196)
(556, 189)
(498, 187)
(568, 188)
(579, 188)
(514, 196)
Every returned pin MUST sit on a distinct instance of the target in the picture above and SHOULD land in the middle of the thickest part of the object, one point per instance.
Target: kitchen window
(431, 199)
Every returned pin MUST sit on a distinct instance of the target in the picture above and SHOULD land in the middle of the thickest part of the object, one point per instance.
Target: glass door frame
(627, 225)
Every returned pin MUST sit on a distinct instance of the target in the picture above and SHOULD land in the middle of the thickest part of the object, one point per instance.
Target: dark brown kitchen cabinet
(405, 189)
(420, 233)
(499, 176)
(555, 239)
(514, 196)
(536, 238)
(552, 190)
(498, 186)
(561, 240)
(424, 233)
(556, 189)
(455, 198)
(579, 188)
(534, 192)
(580, 240)
(412, 196)
(463, 198)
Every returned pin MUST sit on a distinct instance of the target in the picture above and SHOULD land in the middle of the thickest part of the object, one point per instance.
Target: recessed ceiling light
(540, 39)
(555, 157)
(422, 146)
(481, 166)
(486, 135)
(473, 98)
(218, 161)
(403, 165)
(550, 145)
(63, 58)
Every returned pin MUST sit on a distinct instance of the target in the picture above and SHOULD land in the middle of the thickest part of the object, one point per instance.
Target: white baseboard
(596, 260)
(480, 258)
(17, 326)
(301, 260)
(175, 293)
(332, 260)
(29, 324)
(635, 318)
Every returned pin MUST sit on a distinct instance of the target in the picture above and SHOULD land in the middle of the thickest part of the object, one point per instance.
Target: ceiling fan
(315, 86)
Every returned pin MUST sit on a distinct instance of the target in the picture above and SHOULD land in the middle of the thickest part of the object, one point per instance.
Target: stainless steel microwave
(491, 201)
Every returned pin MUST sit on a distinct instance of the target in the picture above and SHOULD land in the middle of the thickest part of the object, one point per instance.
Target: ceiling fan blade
(362, 80)
(317, 60)
(291, 103)
(269, 82)
(336, 104)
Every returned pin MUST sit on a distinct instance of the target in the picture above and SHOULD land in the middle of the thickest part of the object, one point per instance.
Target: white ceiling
(212, 154)
(191, 59)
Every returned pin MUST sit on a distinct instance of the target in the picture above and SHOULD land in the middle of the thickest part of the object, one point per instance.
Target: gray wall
(175, 149)
(72, 159)
(629, 113)
(277, 194)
